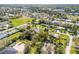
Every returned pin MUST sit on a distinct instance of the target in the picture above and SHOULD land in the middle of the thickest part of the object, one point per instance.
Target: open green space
(20, 21)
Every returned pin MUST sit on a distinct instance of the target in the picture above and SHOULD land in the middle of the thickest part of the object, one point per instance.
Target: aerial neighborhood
(39, 29)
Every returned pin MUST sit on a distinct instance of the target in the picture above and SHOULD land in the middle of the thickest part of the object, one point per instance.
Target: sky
(39, 1)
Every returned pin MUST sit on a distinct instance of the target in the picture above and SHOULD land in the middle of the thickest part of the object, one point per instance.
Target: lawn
(72, 50)
(20, 21)
(16, 35)
(73, 17)
(64, 36)
(33, 50)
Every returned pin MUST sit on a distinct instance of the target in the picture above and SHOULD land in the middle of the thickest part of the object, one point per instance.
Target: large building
(17, 49)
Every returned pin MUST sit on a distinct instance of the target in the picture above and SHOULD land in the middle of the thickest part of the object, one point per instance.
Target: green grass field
(72, 50)
(20, 21)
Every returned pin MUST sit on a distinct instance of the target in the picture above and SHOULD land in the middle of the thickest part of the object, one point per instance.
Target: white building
(17, 49)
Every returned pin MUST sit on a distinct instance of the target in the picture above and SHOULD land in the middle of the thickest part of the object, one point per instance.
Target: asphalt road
(68, 47)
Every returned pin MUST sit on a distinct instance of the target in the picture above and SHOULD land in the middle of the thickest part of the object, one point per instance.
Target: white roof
(19, 47)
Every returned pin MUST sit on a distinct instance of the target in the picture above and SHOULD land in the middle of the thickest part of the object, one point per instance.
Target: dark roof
(9, 51)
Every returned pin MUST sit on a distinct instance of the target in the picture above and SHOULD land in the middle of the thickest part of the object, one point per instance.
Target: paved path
(68, 47)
